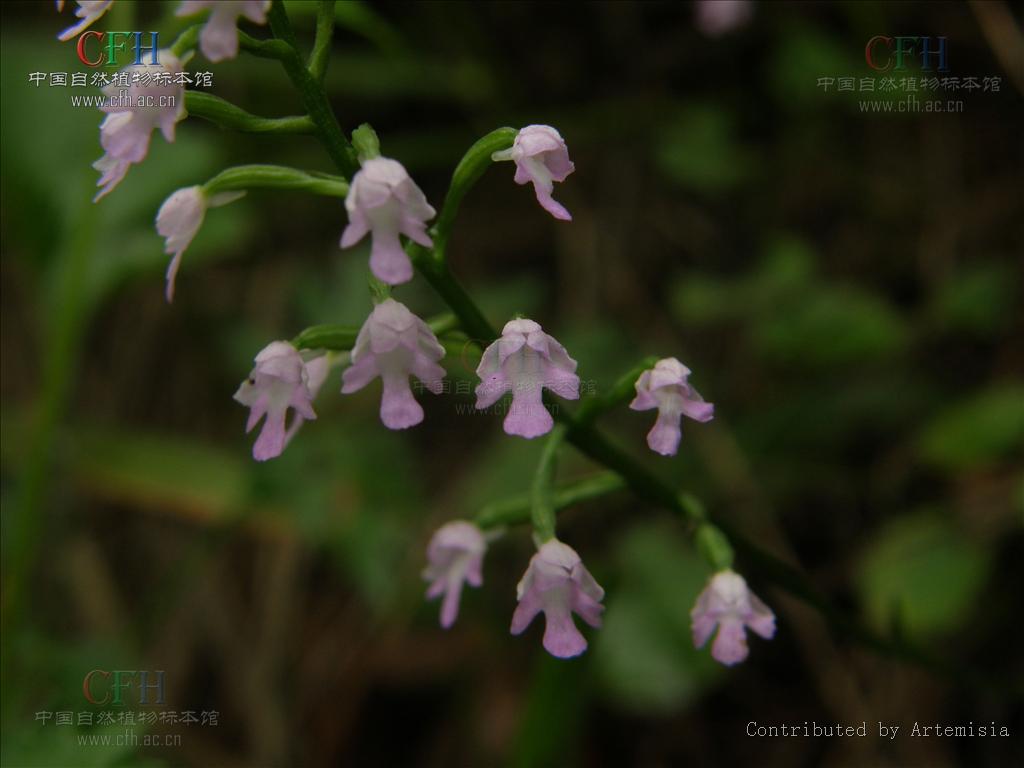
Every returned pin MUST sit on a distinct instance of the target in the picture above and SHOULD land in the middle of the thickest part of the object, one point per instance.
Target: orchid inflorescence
(383, 202)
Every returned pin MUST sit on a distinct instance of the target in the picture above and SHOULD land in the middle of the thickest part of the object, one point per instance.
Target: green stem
(379, 290)
(517, 509)
(186, 41)
(621, 392)
(226, 115)
(314, 99)
(278, 50)
(444, 323)
(277, 177)
(472, 166)
(327, 336)
(324, 36)
(542, 505)
(714, 546)
(692, 508)
(435, 272)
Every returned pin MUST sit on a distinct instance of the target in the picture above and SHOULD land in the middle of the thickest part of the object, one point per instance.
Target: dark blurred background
(845, 285)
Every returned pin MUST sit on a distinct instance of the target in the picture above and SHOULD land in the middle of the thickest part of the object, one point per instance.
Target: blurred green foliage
(644, 653)
(919, 575)
(982, 430)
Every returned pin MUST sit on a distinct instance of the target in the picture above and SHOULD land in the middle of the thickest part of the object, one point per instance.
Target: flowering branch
(579, 431)
(394, 345)
(431, 264)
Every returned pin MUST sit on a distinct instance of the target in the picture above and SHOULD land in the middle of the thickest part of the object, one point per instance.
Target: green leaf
(162, 471)
(982, 430)
(44, 746)
(552, 712)
(802, 56)
(921, 575)
(978, 300)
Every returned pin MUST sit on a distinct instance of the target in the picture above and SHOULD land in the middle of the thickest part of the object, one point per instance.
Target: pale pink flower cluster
(556, 583)
(132, 116)
(219, 39)
(88, 11)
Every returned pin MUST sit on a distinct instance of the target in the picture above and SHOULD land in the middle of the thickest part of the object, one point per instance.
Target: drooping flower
(718, 17)
(394, 344)
(384, 201)
(455, 556)
(219, 39)
(523, 361)
(132, 116)
(88, 11)
(542, 158)
(665, 387)
(282, 379)
(727, 603)
(179, 219)
(557, 583)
